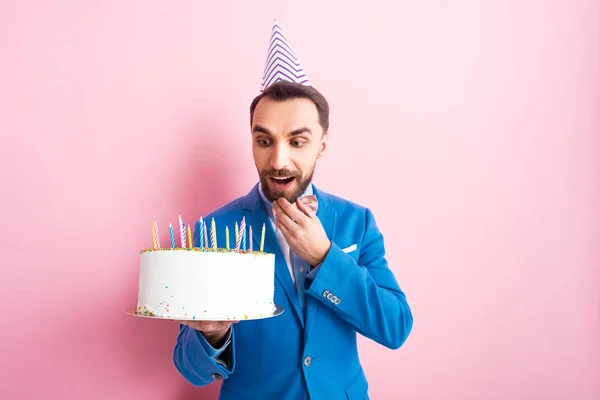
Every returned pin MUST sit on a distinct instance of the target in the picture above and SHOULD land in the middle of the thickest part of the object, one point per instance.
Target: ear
(323, 145)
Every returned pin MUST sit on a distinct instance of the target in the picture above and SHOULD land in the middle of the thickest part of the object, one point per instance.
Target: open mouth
(281, 183)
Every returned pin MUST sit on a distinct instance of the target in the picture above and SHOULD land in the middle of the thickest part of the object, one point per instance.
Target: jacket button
(325, 293)
(217, 376)
(307, 361)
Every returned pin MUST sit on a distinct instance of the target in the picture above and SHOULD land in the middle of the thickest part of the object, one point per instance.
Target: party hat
(282, 63)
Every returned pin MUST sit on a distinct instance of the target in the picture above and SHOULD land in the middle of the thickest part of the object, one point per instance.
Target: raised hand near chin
(302, 230)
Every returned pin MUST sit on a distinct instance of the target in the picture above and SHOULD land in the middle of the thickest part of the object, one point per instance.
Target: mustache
(280, 173)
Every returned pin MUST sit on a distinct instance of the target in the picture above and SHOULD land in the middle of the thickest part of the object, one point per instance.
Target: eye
(263, 142)
(297, 143)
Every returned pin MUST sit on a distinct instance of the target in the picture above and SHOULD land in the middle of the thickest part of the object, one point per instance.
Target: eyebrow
(300, 131)
(295, 132)
(260, 129)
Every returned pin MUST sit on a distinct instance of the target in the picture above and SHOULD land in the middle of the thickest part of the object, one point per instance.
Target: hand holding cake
(213, 331)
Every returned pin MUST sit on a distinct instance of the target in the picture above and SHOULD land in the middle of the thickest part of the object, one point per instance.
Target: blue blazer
(295, 357)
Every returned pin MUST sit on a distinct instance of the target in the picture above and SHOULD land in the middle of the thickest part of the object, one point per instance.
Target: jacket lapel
(257, 216)
(327, 216)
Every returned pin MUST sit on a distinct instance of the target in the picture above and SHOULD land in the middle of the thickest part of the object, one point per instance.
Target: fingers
(285, 210)
(285, 225)
(207, 326)
(284, 222)
(305, 209)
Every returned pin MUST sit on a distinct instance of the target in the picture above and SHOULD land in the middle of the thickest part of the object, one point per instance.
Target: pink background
(471, 130)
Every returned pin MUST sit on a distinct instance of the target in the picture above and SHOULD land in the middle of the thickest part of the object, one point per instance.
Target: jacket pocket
(358, 387)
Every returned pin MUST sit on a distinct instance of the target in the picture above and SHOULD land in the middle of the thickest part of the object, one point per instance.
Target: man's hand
(302, 230)
(213, 331)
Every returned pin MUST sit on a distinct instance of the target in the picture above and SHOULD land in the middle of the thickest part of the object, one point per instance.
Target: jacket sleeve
(365, 293)
(211, 351)
(196, 362)
(194, 357)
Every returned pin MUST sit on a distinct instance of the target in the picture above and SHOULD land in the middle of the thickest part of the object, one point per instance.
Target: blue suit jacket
(295, 357)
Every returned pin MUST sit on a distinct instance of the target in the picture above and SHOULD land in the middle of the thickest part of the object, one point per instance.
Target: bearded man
(331, 275)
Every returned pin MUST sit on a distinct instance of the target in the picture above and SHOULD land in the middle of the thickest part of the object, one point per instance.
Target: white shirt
(283, 245)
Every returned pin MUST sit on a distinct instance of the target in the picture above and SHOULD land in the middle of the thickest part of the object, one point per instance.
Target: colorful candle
(189, 237)
(213, 234)
(182, 232)
(262, 238)
(243, 232)
(239, 244)
(237, 236)
(205, 237)
(172, 235)
(200, 234)
(227, 237)
(250, 238)
(155, 237)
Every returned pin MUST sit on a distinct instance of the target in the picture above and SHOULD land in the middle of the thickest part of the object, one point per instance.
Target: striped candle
(213, 234)
(237, 236)
(200, 235)
(250, 238)
(172, 236)
(227, 237)
(238, 244)
(182, 232)
(154, 235)
(262, 239)
(205, 237)
(189, 237)
(243, 233)
(155, 238)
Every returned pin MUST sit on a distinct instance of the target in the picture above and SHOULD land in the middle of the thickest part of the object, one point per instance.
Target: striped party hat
(282, 63)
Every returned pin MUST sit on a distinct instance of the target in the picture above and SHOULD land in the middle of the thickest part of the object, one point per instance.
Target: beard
(298, 187)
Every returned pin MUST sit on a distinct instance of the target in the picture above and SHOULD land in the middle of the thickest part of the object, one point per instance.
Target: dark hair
(284, 90)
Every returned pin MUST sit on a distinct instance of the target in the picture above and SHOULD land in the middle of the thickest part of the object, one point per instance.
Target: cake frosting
(206, 283)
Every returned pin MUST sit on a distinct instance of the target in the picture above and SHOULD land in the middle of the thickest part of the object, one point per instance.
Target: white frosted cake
(206, 283)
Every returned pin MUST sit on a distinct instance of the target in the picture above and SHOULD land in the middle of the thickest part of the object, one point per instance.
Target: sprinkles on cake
(205, 234)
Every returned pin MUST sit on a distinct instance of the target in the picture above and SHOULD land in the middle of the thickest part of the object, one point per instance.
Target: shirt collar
(269, 205)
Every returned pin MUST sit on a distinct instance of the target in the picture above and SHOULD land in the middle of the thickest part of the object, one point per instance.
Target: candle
(182, 232)
(200, 235)
(243, 232)
(213, 234)
(172, 235)
(205, 237)
(154, 235)
(262, 238)
(237, 237)
(189, 237)
(240, 245)
(250, 238)
(227, 237)
(155, 238)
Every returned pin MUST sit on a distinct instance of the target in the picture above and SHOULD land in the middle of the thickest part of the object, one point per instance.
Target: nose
(280, 158)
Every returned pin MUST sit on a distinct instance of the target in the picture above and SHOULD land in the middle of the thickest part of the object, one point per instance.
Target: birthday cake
(206, 282)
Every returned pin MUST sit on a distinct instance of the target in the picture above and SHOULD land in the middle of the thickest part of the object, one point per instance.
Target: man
(332, 278)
